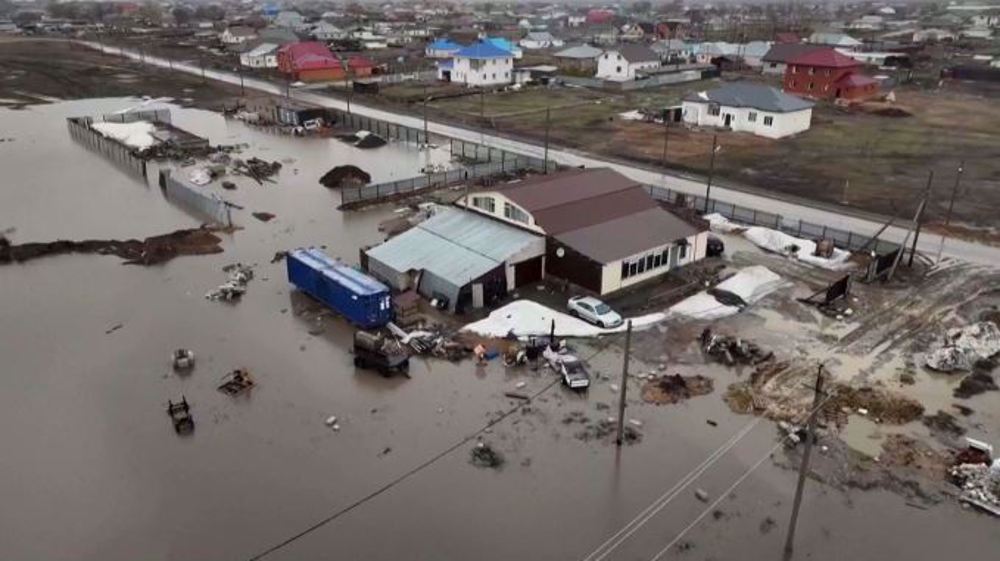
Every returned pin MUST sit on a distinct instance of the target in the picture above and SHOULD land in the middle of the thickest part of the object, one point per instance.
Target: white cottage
(754, 108)
(481, 64)
(620, 64)
(264, 55)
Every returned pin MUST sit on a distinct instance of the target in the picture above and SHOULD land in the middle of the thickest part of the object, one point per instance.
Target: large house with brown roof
(828, 74)
(603, 231)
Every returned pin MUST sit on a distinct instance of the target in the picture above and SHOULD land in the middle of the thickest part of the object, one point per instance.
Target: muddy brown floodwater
(91, 467)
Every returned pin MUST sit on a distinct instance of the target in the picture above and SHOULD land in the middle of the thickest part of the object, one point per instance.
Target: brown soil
(886, 407)
(36, 69)
(345, 176)
(673, 389)
(901, 451)
(150, 251)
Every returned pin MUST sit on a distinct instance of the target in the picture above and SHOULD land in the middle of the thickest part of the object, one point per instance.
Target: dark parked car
(370, 353)
(715, 247)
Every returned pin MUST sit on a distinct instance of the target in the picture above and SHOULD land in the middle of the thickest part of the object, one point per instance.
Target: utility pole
(624, 387)
(711, 170)
(666, 137)
(201, 60)
(951, 206)
(548, 122)
(920, 217)
(427, 138)
(804, 468)
(239, 68)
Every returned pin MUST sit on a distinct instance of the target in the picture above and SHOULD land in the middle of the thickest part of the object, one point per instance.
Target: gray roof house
(746, 107)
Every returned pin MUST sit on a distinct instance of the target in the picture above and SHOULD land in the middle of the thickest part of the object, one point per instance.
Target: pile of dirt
(483, 455)
(150, 251)
(883, 406)
(264, 216)
(901, 451)
(345, 176)
(973, 384)
(673, 389)
(371, 141)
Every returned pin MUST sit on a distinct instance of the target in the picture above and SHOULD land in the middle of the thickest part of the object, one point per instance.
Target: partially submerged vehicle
(371, 353)
(180, 415)
(569, 367)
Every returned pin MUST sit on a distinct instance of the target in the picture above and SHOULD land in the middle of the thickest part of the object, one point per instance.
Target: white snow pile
(750, 285)
(801, 249)
(524, 318)
(964, 346)
(632, 116)
(719, 223)
(138, 134)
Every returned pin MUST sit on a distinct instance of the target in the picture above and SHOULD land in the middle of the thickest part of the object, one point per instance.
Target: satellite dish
(560, 252)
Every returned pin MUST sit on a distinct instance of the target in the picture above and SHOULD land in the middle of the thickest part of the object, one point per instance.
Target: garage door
(528, 271)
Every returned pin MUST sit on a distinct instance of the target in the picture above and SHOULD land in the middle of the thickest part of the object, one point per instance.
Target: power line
(413, 471)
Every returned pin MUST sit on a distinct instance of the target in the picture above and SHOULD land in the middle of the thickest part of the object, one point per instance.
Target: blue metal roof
(502, 43)
(483, 50)
(444, 45)
(358, 282)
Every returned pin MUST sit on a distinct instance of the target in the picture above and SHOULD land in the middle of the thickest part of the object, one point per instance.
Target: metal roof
(783, 52)
(483, 50)
(580, 52)
(629, 235)
(455, 245)
(560, 188)
(356, 281)
(824, 58)
(755, 96)
(636, 53)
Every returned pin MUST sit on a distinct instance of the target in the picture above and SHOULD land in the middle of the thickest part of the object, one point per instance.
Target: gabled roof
(262, 49)
(539, 36)
(501, 43)
(483, 50)
(628, 235)
(444, 45)
(241, 31)
(824, 58)
(579, 52)
(855, 80)
(636, 53)
(310, 55)
(783, 52)
(754, 96)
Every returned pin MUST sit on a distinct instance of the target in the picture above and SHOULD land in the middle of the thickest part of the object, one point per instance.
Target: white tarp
(138, 134)
(750, 284)
(801, 249)
(719, 223)
(525, 318)
(964, 346)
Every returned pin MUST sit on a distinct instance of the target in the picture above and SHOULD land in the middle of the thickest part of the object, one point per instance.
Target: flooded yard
(92, 468)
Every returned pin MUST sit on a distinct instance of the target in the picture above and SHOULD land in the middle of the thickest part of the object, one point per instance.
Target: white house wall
(612, 66)
(611, 274)
(493, 71)
(784, 124)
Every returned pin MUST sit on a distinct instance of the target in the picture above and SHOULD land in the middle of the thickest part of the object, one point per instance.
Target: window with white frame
(485, 203)
(714, 109)
(513, 213)
(648, 262)
(752, 116)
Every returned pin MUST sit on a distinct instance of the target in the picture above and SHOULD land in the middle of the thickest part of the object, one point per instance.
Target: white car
(594, 311)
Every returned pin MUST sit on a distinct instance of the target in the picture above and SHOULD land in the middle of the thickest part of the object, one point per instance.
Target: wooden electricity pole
(666, 137)
(621, 398)
(804, 468)
(548, 122)
(920, 217)
(427, 138)
(711, 170)
(951, 206)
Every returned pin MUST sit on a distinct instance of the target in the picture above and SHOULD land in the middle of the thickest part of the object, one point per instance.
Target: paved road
(816, 213)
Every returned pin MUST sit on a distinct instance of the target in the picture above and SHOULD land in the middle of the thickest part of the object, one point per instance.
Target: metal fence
(131, 116)
(388, 131)
(210, 205)
(116, 152)
(843, 239)
(380, 191)
(475, 152)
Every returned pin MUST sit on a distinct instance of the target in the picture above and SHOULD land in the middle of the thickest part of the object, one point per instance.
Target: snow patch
(750, 284)
(138, 134)
(524, 318)
(801, 249)
(719, 223)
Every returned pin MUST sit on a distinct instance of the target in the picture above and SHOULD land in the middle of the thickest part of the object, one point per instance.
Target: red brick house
(827, 74)
(360, 66)
(309, 62)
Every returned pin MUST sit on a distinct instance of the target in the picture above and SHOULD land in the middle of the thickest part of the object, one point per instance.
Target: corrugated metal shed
(455, 245)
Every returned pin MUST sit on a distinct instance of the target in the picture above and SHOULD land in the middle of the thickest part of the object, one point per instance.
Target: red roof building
(827, 74)
(598, 16)
(309, 62)
(360, 66)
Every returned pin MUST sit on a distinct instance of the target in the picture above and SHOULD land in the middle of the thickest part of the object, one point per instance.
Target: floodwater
(91, 468)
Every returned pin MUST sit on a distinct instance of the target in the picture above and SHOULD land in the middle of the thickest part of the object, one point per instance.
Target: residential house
(575, 21)
(991, 19)
(752, 53)
(264, 55)
(481, 64)
(621, 63)
(463, 258)
(578, 58)
(673, 49)
(540, 40)
(309, 61)
(633, 32)
(599, 16)
(359, 66)
(775, 61)
(326, 31)
(926, 35)
(442, 48)
(787, 37)
(238, 34)
(746, 107)
(603, 231)
(872, 22)
(9, 27)
(828, 74)
(839, 40)
(369, 41)
(277, 35)
(505, 44)
(289, 19)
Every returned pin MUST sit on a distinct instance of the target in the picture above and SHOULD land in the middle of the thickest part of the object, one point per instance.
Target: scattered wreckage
(977, 474)
(234, 288)
(237, 382)
(732, 350)
(964, 347)
(180, 416)
(373, 352)
(182, 360)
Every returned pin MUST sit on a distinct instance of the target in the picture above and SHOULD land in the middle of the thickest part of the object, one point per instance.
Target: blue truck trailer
(360, 298)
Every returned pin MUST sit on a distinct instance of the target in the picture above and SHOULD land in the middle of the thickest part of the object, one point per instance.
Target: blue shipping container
(360, 298)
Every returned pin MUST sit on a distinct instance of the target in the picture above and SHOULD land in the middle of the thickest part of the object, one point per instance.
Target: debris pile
(180, 416)
(807, 251)
(256, 169)
(483, 455)
(975, 384)
(264, 216)
(182, 359)
(965, 347)
(239, 276)
(668, 389)
(730, 296)
(882, 406)
(345, 176)
(428, 342)
(237, 382)
(980, 484)
(732, 350)
(150, 251)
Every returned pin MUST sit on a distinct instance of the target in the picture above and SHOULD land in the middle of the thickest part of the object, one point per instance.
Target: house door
(528, 271)
(728, 119)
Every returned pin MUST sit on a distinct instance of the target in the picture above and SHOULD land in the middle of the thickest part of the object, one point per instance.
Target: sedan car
(594, 311)
(573, 373)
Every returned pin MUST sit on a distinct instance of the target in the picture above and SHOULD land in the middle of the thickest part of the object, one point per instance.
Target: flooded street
(92, 470)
